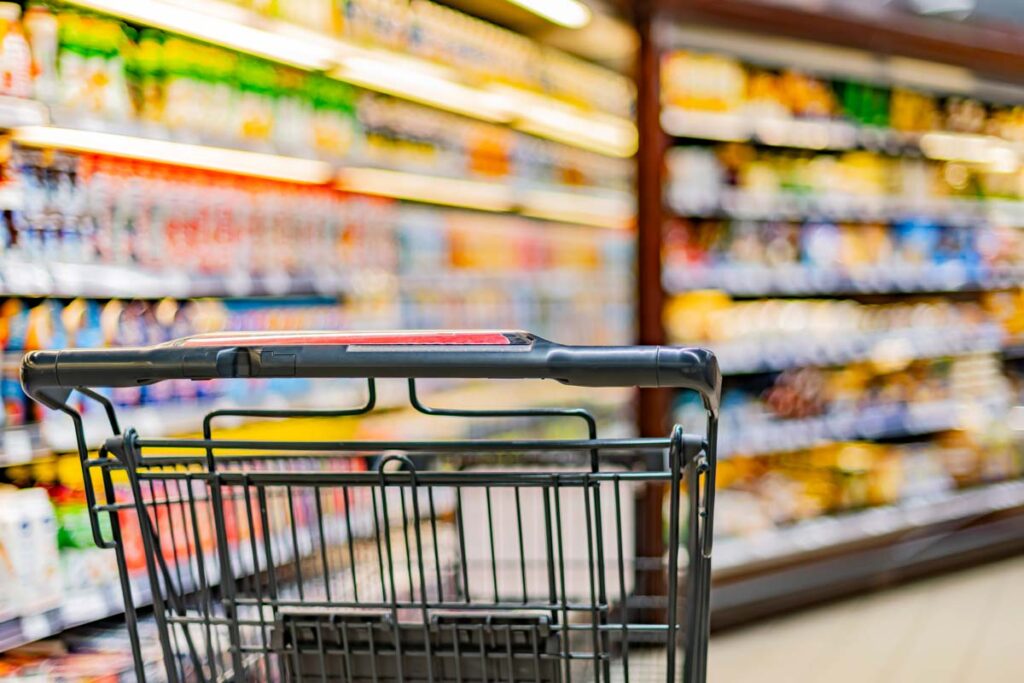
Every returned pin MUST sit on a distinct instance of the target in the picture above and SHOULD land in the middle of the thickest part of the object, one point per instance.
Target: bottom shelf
(813, 563)
(79, 608)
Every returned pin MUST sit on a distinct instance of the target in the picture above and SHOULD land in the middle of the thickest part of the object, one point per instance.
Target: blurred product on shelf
(32, 325)
(774, 334)
(16, 57)
(99, 73)
(483, 52)
(771, 491)
(915, 254)
(29, 566)
(815, 257)
(411, 137)
(495, 267)
(545, 275)
(824, 244)
(719, 84)
(803, 407)
(86, 209)
(188, 232)
(100, 653)
(108, 74)
(740, 179)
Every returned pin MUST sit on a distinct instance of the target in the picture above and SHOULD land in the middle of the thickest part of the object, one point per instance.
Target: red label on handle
(397, 338)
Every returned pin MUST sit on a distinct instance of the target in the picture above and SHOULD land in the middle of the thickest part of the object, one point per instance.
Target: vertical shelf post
(652, 404)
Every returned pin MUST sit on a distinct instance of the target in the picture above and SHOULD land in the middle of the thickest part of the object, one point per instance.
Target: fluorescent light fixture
(571, 207)
(567, 13)
(219, 29)
(408, 80)
(414, 187)
(270, 166)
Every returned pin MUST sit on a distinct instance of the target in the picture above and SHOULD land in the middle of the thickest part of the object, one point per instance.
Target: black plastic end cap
(691, 368)
(39, 378)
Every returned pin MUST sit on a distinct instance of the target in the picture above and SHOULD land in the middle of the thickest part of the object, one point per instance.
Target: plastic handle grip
(495, 355)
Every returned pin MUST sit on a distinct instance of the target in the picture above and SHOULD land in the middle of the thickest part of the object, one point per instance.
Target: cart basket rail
(493, 355)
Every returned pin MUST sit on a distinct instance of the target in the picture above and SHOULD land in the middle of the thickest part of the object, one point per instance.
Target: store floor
(965, 626)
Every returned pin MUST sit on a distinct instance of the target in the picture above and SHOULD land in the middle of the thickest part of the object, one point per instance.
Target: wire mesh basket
(463, 560)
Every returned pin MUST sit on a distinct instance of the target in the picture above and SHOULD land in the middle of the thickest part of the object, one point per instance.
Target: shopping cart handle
(457, 354)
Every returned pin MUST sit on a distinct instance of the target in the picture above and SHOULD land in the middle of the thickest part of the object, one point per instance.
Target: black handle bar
(471, 354)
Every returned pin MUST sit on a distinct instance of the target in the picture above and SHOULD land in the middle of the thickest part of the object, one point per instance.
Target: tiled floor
(967, 626)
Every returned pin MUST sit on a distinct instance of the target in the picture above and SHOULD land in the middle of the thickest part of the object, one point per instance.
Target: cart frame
(235, 614)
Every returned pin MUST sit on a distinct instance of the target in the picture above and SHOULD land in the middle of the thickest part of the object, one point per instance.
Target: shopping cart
(489, 559)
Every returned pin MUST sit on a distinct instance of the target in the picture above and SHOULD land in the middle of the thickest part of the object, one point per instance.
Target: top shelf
(381, 70)
(989, 49)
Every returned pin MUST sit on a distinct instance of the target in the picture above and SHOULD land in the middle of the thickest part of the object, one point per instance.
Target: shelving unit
(409, 191)
(833, 557)
(682, 230)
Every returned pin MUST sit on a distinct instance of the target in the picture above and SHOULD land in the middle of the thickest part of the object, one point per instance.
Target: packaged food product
(15, 54)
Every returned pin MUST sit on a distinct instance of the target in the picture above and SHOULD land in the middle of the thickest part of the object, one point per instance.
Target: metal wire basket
(471, 560)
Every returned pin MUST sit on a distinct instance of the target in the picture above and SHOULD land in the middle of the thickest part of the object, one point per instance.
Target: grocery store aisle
(959, 627)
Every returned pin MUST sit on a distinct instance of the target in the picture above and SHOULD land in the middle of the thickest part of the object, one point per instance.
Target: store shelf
(100, 602)
(799, 280)
(745, 205)
(107, 281)
(810, 536)
(103, 281)
(819, 135)
(897, 420)
(548, 283)
(770, 354)
(605, 210)
(379, 70)
(21, 630)
(829, 557)
(20, 445)
(238, 162)
(773, 132)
